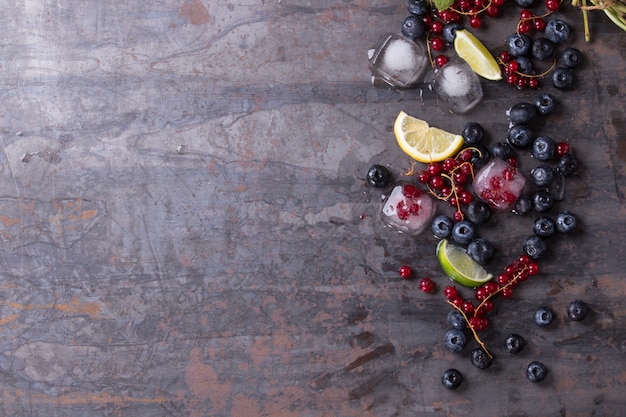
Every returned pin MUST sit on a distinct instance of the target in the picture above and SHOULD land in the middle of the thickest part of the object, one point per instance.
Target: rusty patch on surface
(195, 12)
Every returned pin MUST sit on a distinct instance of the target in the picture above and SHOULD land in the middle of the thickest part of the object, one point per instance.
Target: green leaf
(442, 4)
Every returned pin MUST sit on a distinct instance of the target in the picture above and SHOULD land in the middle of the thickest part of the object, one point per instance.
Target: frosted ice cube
(398, 61)
(499, 184)
(458, 86)
(408, 209)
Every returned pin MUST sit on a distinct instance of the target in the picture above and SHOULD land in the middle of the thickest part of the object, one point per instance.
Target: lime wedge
(457, 264)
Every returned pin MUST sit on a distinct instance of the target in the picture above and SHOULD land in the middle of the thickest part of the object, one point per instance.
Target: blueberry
(478, 212)
(455, 340)
(418, 7)
(534, 247)
(463, 232)
(480, 250)
(542, 175)
(542, 201)
(566, 222)
(449, 31)
(523, 205)
(518, 44)
(481, 359)
(525, 65)
(473, 133)
(577, 310)
(546, 103)
(501, 150)
(514, 343)
(542, 49)
(520, 136)
(544, 316)
(442, 227)
(544, 148)
(544, 227)
(567, 165)
(562, 78)
(480, 156)
(413, 27)
(378, 176)
(525, 4)
(521, 113)
(557, 31)
(451, 379)
(456, 320)
(536, 371)
(571, 57)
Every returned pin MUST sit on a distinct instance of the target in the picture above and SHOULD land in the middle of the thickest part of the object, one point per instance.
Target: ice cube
(398, 61)
(499, 184)
(408, 209)
(458, 86)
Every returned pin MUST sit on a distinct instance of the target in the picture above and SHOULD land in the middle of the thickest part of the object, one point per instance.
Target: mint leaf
(442, 4)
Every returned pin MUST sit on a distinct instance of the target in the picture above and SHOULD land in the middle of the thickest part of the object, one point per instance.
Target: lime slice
(470, 49)
(422, 142)
(457, 264)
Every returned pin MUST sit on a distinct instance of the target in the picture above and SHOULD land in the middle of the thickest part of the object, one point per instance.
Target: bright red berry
(526, 14)
(562, 148)
(507, 292)
(475, 22)
(524, 26)
(467, 307)
(427, 285)
(492, 10)
(441, 60)
(437, 44)
(450, 292)
(553, 5)
(405, 272)
(505, 57)
(539, 25)
(436, 27)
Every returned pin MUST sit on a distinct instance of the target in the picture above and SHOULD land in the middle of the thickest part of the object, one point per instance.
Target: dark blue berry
(557, 31)
(449, 31)
(480, 156)
(534, 247)
(544, 148)
(577, 310)
(536, 371)
(518, 44)
(544, 316)
(478, 212)
(542, 49)
(473, 133)
(525, 4)
(501, 150)
(514, 343)
(523, 205)
(463, 232)
(451, 379)
(562, 78)
(542, 201)
(418, 7)
(455, 340)
(521, 113)
(480, 250)
(571, 57)
(544, 227)
(480, 359)
(456, 320)
(520, 136)
(546, 103)
(542, 175)
(567, 165)
(525, 65)
(378, 176)
(441, 227)
(566, 222)
(413, 27)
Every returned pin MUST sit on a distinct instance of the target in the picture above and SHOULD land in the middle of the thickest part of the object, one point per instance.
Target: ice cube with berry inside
(499, 184)
(408, 209)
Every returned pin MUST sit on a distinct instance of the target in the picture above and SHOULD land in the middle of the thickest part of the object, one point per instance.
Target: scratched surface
(185, 229)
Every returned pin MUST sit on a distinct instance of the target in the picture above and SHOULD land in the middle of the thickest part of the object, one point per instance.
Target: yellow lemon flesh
(478, 57)
(423, 142)
(457, 264)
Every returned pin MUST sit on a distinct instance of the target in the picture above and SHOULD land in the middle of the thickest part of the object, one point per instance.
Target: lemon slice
(457, 264)
(476, 55)
(422, 142)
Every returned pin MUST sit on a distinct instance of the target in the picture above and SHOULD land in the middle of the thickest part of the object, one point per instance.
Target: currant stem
(476, 337)
(516, 277)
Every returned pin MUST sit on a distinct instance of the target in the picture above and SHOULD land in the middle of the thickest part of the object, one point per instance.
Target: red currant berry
(524, 259)
(437, 44)
(553, 5)
(458, 216)
(533, 83)
(492, 11)
(524, 26)
(487, 306)
(450, 292)
(458, 302)
(507, 292)
(475, 22)
(512, 67)
(511, 160)
(522, 83)
(434, 168)
(465, 155)
(427, 285)
(405, 272)
(562, 148)
(437, 182)
(498, 2)
(474, 323)
(503, 279)
(449, 164)
(428, 22)
(480, 293)
(533, 268)
(484, 323)
(505, 57)
(525, 14)
(466, 198)
(454, 17)
(491, 287)
(444, 15)
(441, 60)
(539, 24)
(464, 4)
(423, 177)
(409, 190)
(437, 27)
(467, 307)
